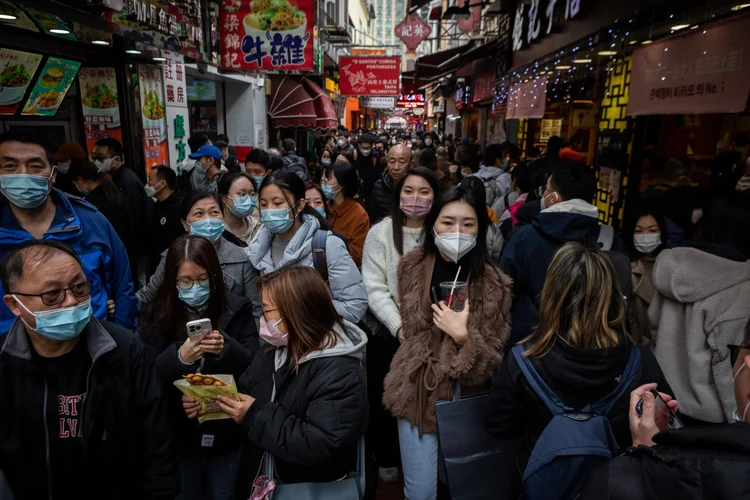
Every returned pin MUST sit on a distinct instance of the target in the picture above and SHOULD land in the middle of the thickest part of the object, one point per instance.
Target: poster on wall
(100, 103)
(550, 128)
(528, 99)
(153, 115)
(175, 92)
(16, 71)
(263, 35)
(370, 76)
(51, 87)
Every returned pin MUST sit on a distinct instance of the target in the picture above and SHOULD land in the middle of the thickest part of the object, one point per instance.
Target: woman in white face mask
(646, 235)
(450, 333)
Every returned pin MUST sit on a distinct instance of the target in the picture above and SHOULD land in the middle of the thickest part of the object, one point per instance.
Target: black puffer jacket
(240, 344)
(127, 449)
(711, 462)
(379, 200)
(578, 377)
(313, 423)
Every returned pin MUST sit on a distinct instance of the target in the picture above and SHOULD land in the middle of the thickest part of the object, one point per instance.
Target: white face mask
(647, 243)
(64, 166)
(454, 245)
(104, 165)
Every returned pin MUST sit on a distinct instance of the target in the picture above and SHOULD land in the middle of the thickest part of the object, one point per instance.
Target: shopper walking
(340, 184)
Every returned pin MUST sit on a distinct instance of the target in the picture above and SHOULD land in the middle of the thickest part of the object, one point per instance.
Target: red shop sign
(703, 72)
(259, 35)
(483, 86)
(412, 30)
(369, 76)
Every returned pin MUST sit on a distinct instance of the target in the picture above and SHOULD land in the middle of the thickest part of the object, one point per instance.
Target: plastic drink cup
(456, 299)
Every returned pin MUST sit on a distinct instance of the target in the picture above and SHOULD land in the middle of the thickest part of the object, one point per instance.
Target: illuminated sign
(411, 100)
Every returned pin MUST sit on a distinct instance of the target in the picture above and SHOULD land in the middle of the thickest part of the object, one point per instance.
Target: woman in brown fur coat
(441, 346)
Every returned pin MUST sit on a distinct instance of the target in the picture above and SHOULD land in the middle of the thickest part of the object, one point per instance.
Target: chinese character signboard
(484, 86)
(51, 87)
(377, 102)
(412, 30)
(176, 100)
(536, 19)
(16, 71)
(101, 109)
(703, 72)
(376, 76)
(153, 115)
(263, 35)
(411, 100)
(527, 100)
(550, 128)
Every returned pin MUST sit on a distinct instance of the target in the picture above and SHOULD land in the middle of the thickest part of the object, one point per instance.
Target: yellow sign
(331, 86)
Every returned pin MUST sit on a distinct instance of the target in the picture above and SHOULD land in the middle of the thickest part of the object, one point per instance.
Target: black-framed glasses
(734, 352)
(265, 311)
(187, 283)
(57, 296)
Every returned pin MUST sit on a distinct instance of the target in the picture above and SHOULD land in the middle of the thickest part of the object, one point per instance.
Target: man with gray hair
(379, 200)
(292, 161)
(86, 415)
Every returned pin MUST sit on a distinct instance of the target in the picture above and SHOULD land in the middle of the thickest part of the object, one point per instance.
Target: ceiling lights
(679, 27)
(646, 42)
(100, 42)
(133, 51)
(159, 59)
(607, 53)
(581, 61)
(740, 6)
(58, 31)
(7, 17)
(632, 42)
(562, 67)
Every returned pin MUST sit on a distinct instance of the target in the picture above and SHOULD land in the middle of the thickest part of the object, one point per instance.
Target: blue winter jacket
(529, 253)
(79, 225)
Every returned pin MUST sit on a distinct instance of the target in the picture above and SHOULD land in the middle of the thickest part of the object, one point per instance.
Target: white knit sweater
(379, 269)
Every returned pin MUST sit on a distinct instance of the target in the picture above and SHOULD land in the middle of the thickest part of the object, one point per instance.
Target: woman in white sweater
(386, 242)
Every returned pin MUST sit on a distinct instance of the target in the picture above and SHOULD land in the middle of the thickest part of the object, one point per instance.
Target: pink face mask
(271, 334)
(415, 207)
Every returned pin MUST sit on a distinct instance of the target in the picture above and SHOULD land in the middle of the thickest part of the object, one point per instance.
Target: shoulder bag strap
(320, 262)
(540, 388)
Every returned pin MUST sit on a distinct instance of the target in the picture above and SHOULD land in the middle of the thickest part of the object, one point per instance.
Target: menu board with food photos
(51, 87)
(100, 103)
(17, 69)
(153, 115)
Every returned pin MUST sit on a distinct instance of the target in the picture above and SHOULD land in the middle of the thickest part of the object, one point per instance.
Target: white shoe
(388, 474)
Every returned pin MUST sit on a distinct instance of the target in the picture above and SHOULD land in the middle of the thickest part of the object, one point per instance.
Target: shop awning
(300, 103)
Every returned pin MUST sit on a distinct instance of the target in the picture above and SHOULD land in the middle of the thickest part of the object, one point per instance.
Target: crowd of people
(350, 292)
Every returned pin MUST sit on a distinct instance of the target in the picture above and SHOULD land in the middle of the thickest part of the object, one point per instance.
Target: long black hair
(194, 197)
(291, 185)
(644, 208)
(478, 256)
(346, 177)
(397, 216)
(88, 172)
(166, 315)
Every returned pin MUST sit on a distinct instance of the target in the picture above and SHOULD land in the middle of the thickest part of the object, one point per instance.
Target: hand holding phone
(198, 328)
(664, 416)
(646, 415)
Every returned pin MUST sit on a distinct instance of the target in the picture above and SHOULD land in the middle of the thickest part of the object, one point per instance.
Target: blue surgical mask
(321, 211)
(211, 229)
(83, 191)
(328, 191)
(258, 180)
(24, 190)
(195, 296)
(276, 220)
(61, 324)
(243, 206)
(505, 164)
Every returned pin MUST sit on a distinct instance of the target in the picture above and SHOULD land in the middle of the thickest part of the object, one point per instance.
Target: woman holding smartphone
(580, 350)
(450, 335)
(303, 400)
(193, 289)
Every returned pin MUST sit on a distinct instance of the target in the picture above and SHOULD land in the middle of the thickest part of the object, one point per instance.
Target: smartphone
(672, 421)
(198, 327)
(435, 296)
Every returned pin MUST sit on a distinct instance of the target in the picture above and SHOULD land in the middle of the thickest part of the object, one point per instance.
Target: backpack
(574, 441)
(620, 261)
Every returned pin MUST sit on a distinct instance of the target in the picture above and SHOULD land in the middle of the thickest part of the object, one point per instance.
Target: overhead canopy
(300, 103)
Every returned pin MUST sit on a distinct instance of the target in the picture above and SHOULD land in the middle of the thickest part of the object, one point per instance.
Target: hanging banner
(484, 86)
(176, 100)
(528, 99)
(16, 71)
(100, 104)
(263, 35)
(51, 87)
(376, 76)
(153, 115)
(412, 30)
(704, 72)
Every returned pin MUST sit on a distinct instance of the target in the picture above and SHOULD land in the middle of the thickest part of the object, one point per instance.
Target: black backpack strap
(320, 262)
(540, 388)
(603, 406)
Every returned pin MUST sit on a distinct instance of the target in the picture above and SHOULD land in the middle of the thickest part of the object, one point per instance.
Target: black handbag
(473, 459)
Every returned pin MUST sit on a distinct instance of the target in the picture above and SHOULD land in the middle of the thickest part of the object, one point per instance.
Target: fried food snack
(204, 389)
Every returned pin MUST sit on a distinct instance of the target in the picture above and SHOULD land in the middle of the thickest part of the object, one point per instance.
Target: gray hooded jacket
(344, 279)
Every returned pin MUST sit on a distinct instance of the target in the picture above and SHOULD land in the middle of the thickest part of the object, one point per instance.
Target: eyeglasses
(266, 311)
(734, 352)
(57, 296)
(187, 283)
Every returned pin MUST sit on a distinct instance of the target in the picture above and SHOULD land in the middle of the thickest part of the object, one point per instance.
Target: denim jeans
(209, 475)
(419, 460)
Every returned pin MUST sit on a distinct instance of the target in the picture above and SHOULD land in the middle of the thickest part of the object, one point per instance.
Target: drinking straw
(453, 288)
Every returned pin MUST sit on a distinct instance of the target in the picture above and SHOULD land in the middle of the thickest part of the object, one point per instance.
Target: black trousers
(382, 432)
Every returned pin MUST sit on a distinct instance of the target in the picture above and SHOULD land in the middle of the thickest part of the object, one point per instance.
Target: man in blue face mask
(32, 209)
(97, 396)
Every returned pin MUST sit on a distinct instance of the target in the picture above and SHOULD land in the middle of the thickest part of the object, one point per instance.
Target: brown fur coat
(428, 363)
